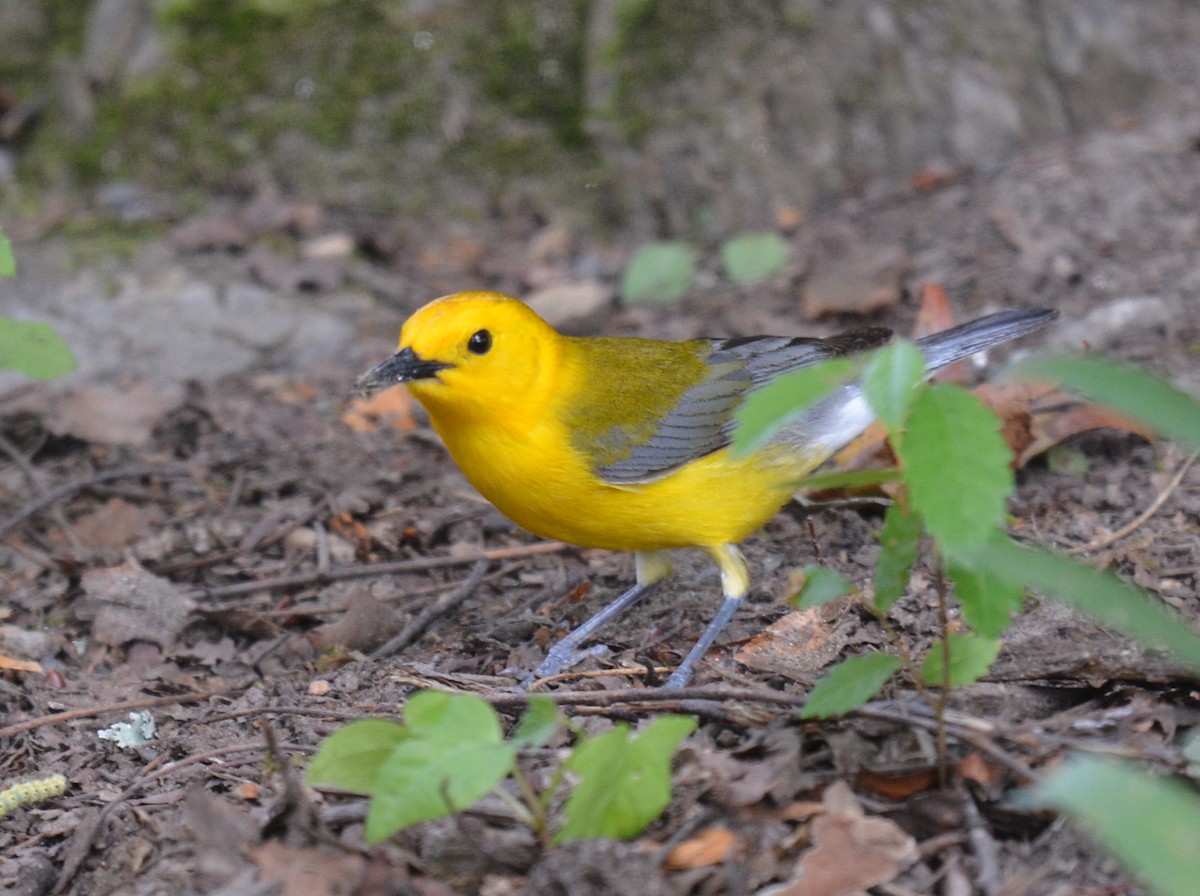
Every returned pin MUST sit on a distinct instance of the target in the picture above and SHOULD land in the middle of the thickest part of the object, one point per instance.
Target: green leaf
(350, 758)
(890, 380)
(988, 599)
(34, 349)
(540, 722)
(1100, 595)
(659, 272)
(850, 684)
(784, 400)
(624, 782)
(754, 256)
(899, 541)
(957, 466)
(453, 756)
(1132, 391)
(8, 264)
(970, 658)
(821, 585)
(1150, 823)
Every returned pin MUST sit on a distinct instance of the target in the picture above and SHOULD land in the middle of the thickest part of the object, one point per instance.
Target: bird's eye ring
(480, 342)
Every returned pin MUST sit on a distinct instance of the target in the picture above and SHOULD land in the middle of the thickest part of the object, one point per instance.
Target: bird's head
(471, 355)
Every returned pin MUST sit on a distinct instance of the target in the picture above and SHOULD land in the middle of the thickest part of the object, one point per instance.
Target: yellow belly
(550, 491)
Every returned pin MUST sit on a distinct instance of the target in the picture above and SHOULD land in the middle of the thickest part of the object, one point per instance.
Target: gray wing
(702, 421)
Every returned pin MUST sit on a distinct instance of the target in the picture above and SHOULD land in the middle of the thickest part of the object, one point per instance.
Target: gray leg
(566, 654)
(683, 673)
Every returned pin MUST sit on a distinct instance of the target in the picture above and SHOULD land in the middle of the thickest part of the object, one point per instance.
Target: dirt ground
(235, 572)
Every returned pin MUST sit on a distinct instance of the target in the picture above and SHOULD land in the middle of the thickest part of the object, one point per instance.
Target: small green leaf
(424, 779)
(1133, 392)
(1102, 596)
(350, 758)
(754, 256)
(970, 658)
(540, 722)
(624, 781)
(899, 541)
(1150, 823)
(441, 717)
(988, 600)
(453, 755)
(8, 264)
(33, 349)
(783, 401)
(890, 380)
(957, 466)
(659, 272)
(850, 684)
(821, 585)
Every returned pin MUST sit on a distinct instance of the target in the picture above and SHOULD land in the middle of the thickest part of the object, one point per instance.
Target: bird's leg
(735, 582)
(652, 568)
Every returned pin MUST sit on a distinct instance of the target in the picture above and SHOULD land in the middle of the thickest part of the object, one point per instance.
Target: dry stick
(82, 843)
(683, 696)
(31, 476)
(426, 617)
(944, 690)
(1113, 538)
(279, 534)
(90, 711)
(57, 494)
(342, 573)
(987, 863)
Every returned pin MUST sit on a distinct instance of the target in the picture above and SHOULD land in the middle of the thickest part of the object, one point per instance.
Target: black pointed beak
(402, 367)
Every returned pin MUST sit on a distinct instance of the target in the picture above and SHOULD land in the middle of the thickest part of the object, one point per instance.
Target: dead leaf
(934, 313)
(391, 408)
(111, 415)
(798, 646)
(127, 603)
(365, 625)
(897, 786)
(7, 662)
(859, 278)
(1048, 430)
(308, 872)
(974, 767)
(113, 525)
(850, 852)
(711, 846)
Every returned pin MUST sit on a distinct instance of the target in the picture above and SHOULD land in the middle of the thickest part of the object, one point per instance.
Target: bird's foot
(563, 656)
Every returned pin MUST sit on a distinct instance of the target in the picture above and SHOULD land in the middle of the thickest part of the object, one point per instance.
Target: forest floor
(222, 535)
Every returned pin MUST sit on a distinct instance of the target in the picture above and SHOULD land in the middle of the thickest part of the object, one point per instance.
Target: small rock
(1113, 322)
(569, 301)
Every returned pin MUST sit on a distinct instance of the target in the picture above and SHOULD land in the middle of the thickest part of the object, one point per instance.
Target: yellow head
(472, 356)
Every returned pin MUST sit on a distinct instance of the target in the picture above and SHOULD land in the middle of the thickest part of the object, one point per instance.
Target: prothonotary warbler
(623, 443)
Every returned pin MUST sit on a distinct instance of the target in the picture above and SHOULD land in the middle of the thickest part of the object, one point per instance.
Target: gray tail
(958, 342)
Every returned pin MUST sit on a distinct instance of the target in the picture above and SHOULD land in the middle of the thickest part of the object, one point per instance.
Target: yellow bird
(623, 443)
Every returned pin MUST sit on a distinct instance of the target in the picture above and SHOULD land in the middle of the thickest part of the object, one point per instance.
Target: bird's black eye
(480, 342)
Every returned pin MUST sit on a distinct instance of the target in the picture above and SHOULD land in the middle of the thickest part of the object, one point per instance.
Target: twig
(1114, 537)
(31, 476)
(90, 711)
(944, 643)
(241, 550)
(342, 573)
(67, 488)
(81, 844)
(434, 611)
(987, 864)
